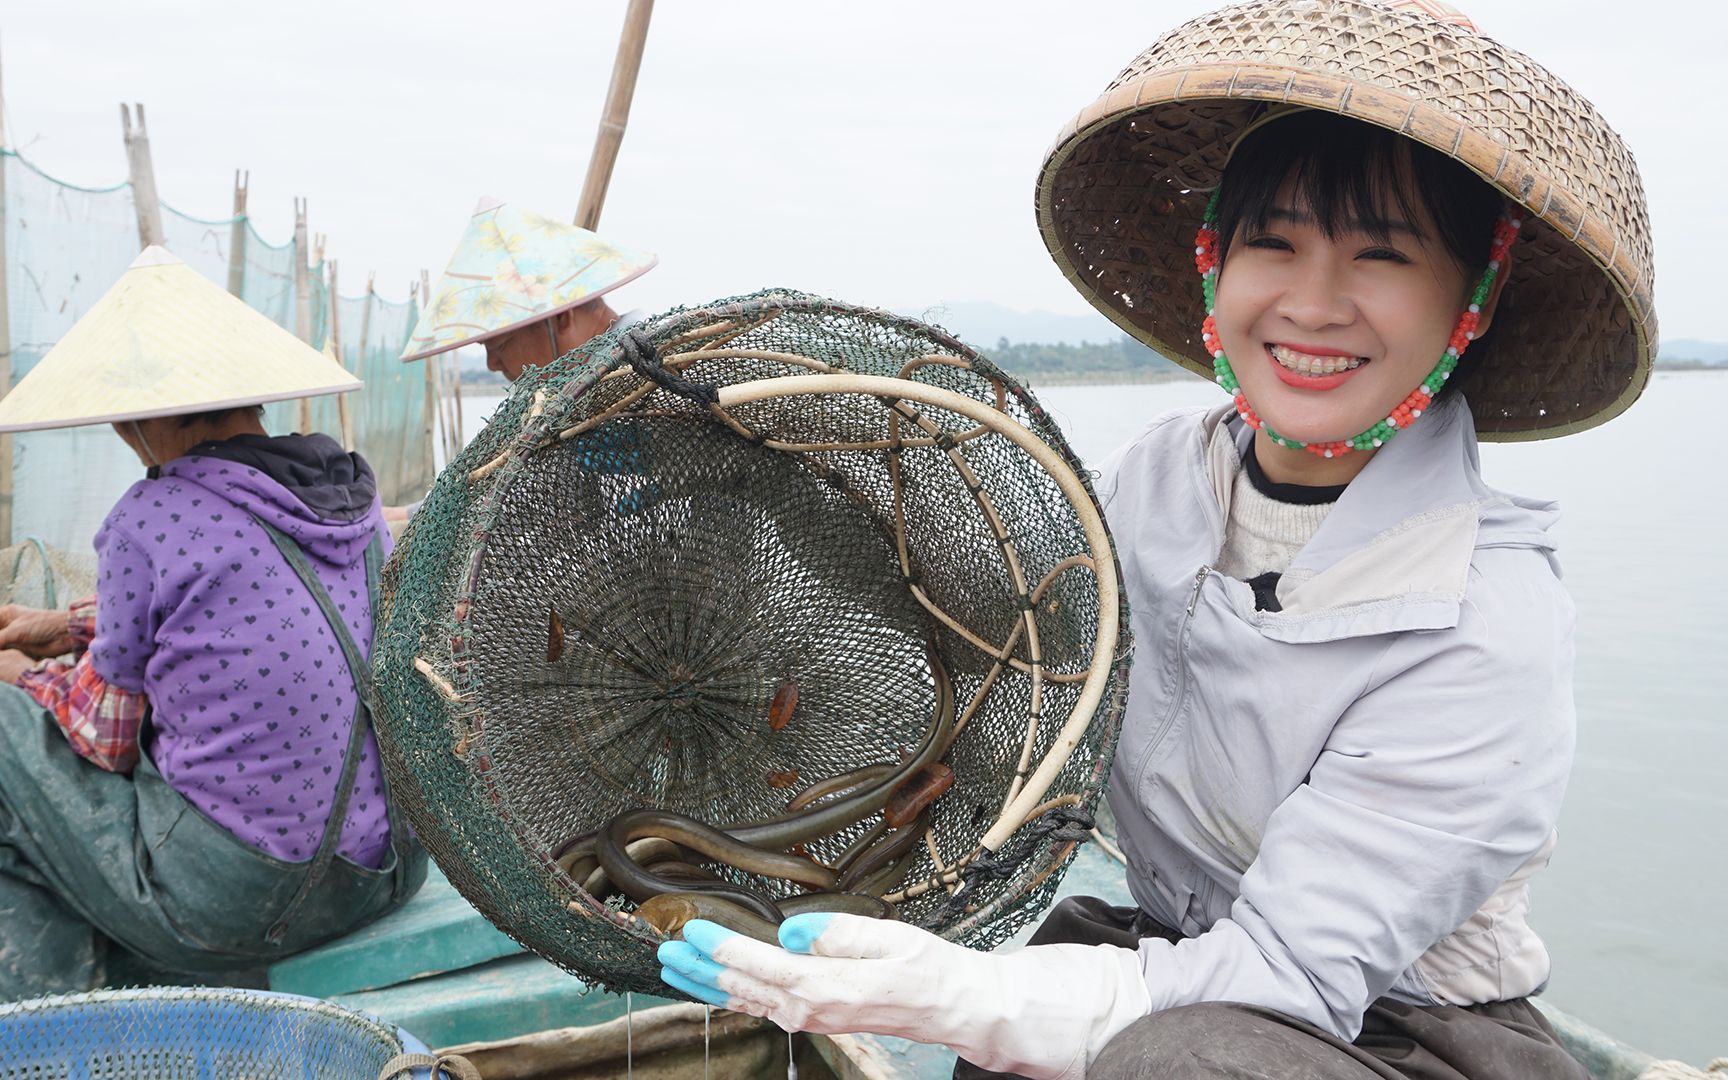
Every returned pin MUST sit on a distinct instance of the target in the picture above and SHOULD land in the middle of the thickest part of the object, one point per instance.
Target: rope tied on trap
(1068, 825)
(771, 603)
(644, 358)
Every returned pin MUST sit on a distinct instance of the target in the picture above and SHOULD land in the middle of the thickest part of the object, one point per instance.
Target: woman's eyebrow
(1304, 217)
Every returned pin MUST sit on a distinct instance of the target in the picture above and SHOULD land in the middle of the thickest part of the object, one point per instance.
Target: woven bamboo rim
(1122, 189)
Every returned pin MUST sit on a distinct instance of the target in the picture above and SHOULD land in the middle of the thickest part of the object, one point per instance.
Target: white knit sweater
(1263, 535)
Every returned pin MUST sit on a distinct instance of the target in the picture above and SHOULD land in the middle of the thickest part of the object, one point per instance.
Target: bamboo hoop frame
(1097, 676)
(684, 361)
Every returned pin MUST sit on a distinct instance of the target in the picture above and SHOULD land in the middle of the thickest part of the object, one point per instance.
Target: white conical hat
(165, 341)
(513, 267)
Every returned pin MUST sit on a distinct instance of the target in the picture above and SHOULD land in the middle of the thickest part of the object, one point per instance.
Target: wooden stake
(302, 299)
(143, 175)
(237, 236)
(366, 322)
(616, 114)
(446, 433)
(430, 413)
(456, 376)
(335, 339)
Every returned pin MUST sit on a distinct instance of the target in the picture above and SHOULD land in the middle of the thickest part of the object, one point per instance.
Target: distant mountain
(980, 324)
(1698, 352)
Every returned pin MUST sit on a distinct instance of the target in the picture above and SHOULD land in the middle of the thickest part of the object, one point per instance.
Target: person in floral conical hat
(529, 288)
(1350, 719)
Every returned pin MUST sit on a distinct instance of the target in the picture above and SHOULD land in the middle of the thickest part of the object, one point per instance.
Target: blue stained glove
(1044, 1011)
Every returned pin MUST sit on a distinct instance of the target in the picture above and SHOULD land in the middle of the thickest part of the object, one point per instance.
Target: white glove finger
(701, 991)
(693, 971)
(739, 953)
(693, 965)
(823, 933)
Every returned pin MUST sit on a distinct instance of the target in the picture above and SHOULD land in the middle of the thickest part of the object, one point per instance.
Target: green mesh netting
(191, 1034)
(392, 417)
(696, 560)
(64, 245)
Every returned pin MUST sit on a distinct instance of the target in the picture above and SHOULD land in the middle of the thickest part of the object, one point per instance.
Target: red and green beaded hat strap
(1206, 260)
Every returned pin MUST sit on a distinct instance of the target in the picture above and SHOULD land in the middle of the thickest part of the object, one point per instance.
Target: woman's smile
(1311, 367)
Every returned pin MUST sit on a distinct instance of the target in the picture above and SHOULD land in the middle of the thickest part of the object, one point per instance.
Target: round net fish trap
(173, 1033)
(817, 577)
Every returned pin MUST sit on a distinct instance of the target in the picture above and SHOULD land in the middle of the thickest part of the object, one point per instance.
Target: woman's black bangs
(1348, 176)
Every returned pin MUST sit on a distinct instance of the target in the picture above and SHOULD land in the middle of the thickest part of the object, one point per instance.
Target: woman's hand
(1043, 1011)
(13, 664)
(35, 632)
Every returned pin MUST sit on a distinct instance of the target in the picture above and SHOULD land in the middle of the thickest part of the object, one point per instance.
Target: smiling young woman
(1350, 722)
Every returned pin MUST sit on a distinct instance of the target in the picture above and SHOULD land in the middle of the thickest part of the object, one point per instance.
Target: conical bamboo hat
(513, 267)
(1123, 189)
(165, 341)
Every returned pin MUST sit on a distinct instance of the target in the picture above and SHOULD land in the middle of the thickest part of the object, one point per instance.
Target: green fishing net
(599, 601)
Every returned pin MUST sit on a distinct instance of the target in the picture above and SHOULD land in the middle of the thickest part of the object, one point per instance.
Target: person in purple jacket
(200, 786)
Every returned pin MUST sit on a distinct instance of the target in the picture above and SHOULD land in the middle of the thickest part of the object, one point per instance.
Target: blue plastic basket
(176, 1033)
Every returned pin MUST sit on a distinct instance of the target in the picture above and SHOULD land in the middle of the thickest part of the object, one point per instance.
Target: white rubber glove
(1045, 1011)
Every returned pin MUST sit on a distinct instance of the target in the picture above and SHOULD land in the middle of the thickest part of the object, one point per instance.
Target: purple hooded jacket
(251, 699)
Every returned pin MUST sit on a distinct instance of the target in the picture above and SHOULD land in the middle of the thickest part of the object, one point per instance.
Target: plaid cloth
(100, 721)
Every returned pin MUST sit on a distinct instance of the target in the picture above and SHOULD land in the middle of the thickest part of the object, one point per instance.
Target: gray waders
(90, 859)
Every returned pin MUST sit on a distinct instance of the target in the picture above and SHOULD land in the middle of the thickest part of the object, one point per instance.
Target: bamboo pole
(429, 415)
(442, 377)
(143, 174)
(456, 377)
(616, 114)
(5, 347)
(366, 320)
(237, 236)
(344, 418)
(316, 260)
(452, 404)
(302, 299)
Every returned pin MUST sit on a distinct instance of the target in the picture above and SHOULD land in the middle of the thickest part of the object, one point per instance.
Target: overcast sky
(881, 152)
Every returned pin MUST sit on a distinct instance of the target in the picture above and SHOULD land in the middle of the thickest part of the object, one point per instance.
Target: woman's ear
(1494, 291)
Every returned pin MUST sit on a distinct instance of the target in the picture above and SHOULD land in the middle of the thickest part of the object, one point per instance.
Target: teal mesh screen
(66, 245)
(390, 418)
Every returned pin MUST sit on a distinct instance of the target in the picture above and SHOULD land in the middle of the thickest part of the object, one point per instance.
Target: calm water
(1633, 904)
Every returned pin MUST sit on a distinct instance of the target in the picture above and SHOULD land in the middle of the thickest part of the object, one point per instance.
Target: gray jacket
(1345, 798)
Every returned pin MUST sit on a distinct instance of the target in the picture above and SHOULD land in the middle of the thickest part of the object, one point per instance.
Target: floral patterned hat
(513, 267)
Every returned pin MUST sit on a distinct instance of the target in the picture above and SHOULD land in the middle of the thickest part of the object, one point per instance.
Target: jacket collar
(1394, 554)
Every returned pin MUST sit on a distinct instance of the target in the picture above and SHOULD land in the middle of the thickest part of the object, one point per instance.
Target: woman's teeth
(1304, 364)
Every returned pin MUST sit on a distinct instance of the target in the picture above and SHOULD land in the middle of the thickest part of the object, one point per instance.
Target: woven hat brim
(1123, 189)
(165, 341)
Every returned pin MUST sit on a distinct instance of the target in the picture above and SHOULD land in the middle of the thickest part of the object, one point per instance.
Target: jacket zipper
(1169, 717)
